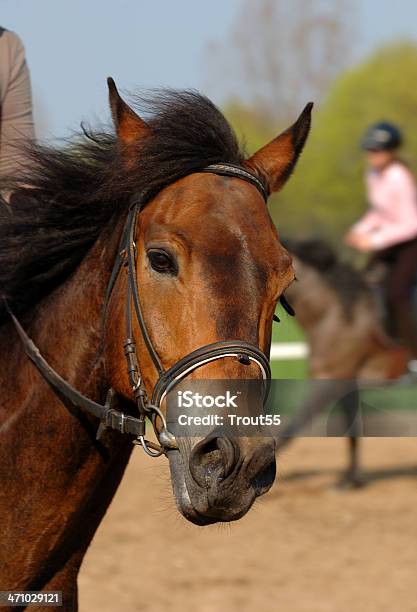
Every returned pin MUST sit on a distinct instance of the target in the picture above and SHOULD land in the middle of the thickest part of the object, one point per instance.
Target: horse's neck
(68, 324)
(54, 454)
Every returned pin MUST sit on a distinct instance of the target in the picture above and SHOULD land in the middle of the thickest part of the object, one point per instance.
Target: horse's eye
(162, 262)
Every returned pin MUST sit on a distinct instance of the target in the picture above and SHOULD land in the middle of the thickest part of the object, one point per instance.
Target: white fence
(289, 350)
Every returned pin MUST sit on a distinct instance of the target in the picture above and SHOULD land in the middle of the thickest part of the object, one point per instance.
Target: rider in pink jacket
(392, 218)
(389, 228)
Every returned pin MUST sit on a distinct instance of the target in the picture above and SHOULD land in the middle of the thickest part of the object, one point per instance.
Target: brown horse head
(210, 268)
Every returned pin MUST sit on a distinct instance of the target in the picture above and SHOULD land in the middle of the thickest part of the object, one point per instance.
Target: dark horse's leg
(350, 405)
(323, 393)
(312, 405)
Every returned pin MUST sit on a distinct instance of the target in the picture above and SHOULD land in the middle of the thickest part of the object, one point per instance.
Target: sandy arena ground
(304, 547)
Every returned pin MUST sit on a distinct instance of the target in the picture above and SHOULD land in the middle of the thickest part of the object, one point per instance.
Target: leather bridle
(111, 418)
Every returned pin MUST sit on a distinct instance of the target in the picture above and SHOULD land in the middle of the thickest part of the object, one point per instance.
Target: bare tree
(282, 53)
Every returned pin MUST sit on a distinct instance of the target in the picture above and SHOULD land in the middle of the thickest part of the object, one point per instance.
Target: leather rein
(108, 415)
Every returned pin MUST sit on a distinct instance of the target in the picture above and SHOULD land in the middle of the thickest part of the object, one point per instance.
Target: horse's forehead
(205, 204)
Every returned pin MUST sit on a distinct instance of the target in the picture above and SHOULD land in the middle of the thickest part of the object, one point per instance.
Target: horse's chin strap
(107, 414)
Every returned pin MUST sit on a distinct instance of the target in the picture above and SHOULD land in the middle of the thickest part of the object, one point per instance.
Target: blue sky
(72, 46)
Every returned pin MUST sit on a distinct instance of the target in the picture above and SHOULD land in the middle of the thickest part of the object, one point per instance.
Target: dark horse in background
(341, 317)
(209, 267)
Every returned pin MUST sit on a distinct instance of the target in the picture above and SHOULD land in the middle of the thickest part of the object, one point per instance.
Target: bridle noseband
(111, 418)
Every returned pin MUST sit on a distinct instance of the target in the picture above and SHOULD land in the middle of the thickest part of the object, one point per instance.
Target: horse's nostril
(230, 454)
(265, 478)
(213, 459)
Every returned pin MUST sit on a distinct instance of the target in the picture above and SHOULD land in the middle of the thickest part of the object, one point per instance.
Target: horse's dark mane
(76, 189)
(342, 277)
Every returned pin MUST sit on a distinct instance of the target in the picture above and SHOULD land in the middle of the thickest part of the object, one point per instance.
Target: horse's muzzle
(219, 478)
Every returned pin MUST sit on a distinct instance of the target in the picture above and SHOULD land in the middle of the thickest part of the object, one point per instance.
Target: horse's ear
(276, 160)
(129, 126)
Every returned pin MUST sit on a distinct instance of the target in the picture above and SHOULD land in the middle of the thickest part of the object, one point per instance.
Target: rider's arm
(367, 223)
(370, 220)
(15, 100)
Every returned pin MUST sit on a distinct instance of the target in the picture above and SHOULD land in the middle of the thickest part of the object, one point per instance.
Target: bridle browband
(238, 172)
(111, 418)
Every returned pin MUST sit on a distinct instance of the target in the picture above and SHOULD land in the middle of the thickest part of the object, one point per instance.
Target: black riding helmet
(382, 136)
